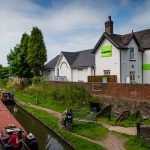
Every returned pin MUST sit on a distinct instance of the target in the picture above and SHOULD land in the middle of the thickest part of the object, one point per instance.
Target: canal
(47, 140)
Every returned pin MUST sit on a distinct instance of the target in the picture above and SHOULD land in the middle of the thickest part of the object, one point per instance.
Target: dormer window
(131, 54)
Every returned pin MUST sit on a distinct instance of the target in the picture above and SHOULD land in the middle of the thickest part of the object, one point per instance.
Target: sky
(68, 25)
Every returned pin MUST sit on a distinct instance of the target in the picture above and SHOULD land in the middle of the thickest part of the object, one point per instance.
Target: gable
(106, 49)
(62, 60)
(113, 39)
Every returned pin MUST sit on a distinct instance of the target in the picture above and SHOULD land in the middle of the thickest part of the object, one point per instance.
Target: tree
(37, 54)
(24, 69)
(17, 58)
(4, 72)
(12, 59)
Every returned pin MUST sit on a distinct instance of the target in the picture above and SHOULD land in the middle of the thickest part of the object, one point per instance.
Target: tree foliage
(24, 69)
(4, 72)
(12, 59)
(27, 58)
(37, 54)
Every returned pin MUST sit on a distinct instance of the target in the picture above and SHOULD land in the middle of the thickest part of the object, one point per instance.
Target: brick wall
(122, 97)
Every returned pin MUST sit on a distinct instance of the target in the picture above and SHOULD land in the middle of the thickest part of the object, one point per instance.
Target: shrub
(37, 80)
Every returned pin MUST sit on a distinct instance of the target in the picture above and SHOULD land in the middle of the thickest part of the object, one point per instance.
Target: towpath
(111, 142)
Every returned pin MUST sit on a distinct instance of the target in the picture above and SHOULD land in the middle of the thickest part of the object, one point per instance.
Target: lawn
(90, 130)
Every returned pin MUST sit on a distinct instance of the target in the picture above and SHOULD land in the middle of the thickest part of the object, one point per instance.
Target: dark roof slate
(120, 41)
(84, 59)
(52, 63)
(70, 56)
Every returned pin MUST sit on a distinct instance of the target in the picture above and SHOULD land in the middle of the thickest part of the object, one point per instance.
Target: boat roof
(7, 119)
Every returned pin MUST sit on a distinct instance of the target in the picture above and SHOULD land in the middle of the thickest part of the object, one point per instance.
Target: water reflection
(15, 109)
(46, 139)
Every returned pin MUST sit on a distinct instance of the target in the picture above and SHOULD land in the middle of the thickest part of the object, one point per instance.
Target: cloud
(139, 18)
(19, 16)
(66, 25)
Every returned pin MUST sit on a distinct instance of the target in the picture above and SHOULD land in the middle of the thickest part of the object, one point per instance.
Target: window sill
(132, 60)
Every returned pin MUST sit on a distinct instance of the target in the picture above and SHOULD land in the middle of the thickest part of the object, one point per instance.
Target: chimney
(109, 26)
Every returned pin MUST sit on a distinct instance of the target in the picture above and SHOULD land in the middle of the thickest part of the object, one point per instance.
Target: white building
(71, 66)
(126, 56)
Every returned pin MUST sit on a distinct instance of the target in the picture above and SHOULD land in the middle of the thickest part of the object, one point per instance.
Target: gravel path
(126, 130)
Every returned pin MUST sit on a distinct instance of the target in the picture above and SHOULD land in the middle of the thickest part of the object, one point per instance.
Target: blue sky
(68, 25)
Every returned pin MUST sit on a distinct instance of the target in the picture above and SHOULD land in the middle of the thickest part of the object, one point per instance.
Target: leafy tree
(37, 54)
(24, 69)
(17, 58)
(12, 59)
(4, 72)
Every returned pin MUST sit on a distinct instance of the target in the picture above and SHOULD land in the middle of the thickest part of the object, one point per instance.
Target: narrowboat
(9, 126)
(7, 97)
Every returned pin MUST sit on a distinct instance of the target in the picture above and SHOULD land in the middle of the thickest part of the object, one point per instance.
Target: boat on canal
(8, 126)
(7, 97)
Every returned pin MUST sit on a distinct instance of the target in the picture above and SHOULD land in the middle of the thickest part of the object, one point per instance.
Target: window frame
(132, 76)
(106, 72)
(131, 53)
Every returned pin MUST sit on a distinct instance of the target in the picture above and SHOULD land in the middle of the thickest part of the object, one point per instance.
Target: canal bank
(51, 121)
(47, 138)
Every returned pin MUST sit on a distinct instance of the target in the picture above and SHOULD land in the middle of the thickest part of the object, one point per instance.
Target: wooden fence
(103, 78)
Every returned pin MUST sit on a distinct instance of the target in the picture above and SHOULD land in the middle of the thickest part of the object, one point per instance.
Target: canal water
(47, 140)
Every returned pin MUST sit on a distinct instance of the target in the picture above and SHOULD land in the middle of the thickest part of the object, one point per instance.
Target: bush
(38, 79)
(4, 82)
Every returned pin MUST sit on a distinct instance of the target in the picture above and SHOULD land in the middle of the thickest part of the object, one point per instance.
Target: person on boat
(14, 140)
(32, 142)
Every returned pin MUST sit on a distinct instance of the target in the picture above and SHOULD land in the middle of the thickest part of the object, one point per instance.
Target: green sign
(146, 66)
(106, 51)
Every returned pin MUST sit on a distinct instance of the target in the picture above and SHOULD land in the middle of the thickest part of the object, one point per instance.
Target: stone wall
(144, 133)
(119, 105)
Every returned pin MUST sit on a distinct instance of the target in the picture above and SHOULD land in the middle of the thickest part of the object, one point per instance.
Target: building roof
(71, 56)
(142, 39)
(84, 59)
(52, 63)
(75, 59)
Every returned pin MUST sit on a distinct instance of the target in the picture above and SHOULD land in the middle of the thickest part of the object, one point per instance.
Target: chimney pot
(109, 26)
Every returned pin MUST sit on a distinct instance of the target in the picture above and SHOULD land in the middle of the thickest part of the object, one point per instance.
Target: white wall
(131, 65)
(49, 75)
(146, 60)
(81, 75)
(108, 63)
(64, 68)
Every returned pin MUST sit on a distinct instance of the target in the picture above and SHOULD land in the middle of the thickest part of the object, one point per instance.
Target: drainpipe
(120, 69)
(142, 66)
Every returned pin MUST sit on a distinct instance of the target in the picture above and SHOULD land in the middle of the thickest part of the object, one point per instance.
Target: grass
(125, 123)
(51, 121)
(90, 130)
(134, 143)
(55, 97)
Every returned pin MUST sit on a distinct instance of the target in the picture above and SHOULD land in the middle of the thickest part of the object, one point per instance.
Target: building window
(132, 76)
(131, 53)
(106, 72)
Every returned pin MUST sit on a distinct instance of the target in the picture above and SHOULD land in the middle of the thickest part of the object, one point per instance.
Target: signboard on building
(106, 51)
(146, 66)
